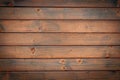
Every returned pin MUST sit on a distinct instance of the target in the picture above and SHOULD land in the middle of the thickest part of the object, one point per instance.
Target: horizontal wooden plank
(59, 26)
(59, 3)
(59, 39)
(58, 64)
(59, 13)
(69, 75)
(59, 51)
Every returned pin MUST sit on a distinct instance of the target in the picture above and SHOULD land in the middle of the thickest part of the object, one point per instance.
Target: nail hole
(38, 9)
(79, 61)
(64, 68)
(33, 50)
(118, 11)
(62, 61)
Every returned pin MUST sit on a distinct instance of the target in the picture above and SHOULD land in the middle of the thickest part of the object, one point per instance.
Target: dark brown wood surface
(60, 3)
(60, 13)
(61, 75)
(58, 64)
(59, 39)
(59, 26)
(59, 52)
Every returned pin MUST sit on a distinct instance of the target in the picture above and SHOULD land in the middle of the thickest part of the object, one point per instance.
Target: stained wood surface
(59, 39)
(59, 51)
(69, 75)
(59, 26)
(60, 3)
(58, 64)
(60, 13)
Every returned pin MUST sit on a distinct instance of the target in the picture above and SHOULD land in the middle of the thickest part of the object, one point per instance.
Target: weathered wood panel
(60, 3)
(58, 64)
(88, 45)
(59, 39)
(69, 75)
(59, 26)
(59, 13)
(59, 51)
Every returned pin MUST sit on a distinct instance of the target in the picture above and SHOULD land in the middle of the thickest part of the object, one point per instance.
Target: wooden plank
(59, 52)
(59, 26)
(59, 39)
(60, 13)
(60, 3)
(61, 75)
(58, 64)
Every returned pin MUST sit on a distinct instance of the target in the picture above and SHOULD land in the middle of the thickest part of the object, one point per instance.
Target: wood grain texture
(60, 13)
(59, 26)
(59, 52)
(58, 64)
(60, 3)
(59, 39)
(61, 75)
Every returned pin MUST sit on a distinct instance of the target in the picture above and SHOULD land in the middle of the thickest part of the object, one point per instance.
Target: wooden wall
(59, 39)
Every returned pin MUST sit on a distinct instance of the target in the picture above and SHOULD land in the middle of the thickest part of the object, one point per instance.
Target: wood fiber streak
(60, 13)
